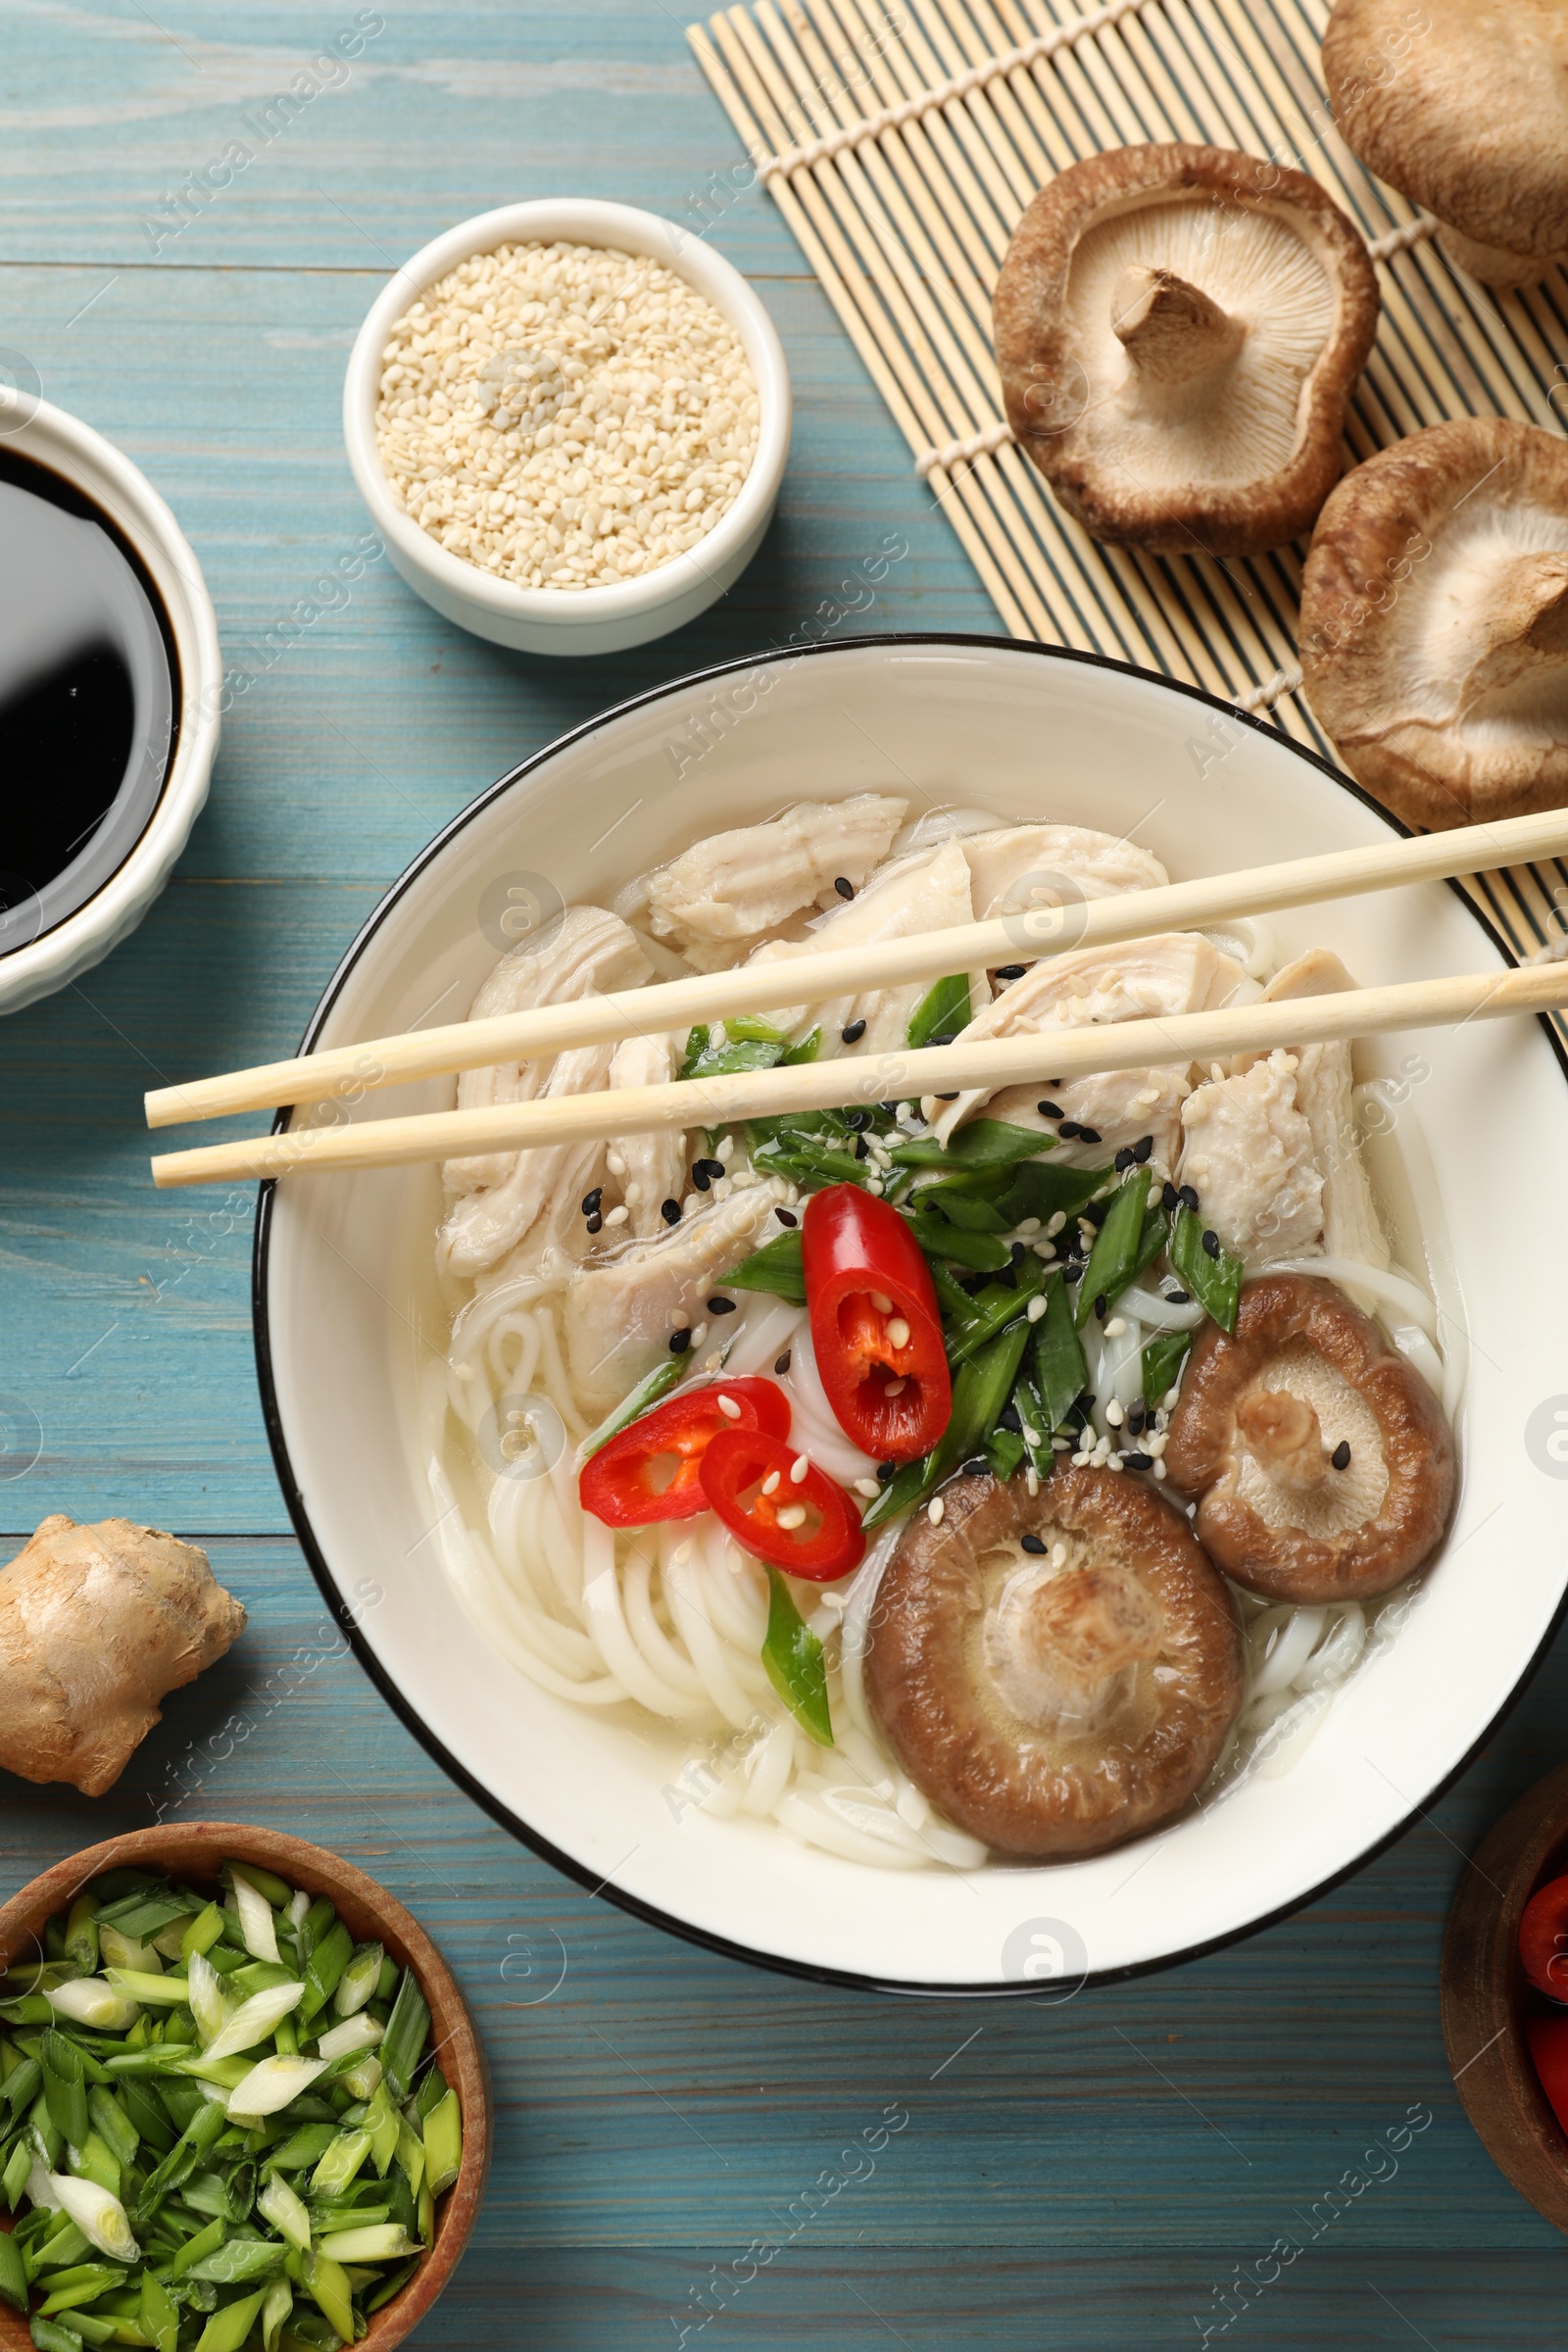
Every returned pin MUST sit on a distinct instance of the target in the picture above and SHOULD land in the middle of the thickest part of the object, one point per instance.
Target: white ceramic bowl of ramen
(348, 1320)
(607, 617)
(70, 920)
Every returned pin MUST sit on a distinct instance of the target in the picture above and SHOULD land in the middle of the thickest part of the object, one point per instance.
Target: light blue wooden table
(1076, 2177)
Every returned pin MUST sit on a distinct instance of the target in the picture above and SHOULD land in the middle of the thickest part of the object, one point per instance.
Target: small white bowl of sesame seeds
(569, 421)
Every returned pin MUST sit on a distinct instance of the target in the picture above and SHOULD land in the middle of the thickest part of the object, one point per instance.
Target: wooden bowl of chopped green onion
(242, 2102)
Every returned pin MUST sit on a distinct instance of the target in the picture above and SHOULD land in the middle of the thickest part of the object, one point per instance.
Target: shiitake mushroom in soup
(1055, 1673)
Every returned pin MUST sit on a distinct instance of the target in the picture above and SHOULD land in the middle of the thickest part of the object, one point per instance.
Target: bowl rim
(847, 1979)
(279, 1849)
(58, 442)
(597, 220)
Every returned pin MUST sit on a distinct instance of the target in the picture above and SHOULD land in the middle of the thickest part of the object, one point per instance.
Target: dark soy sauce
(89, 700)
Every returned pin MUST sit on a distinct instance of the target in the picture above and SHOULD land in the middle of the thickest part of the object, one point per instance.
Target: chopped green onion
(196, 2249)
(90, 2002)
(159, 2320)
(113, 2124)
(13, 2273)
(1163, 1358)
(749, 1028)
(776, 1268)
(98, 2215)
(149, 1993)
(64, 2085)
(254, 2019)
(993, 1308)
(443, 2144)
(983, 1143)
(82, 1934)
(792, 1657)
(202, 1932)
(1113, 1258)
(324, 1969)
(941, 1239)
(408, 2029)
(256, 1923)
(942, 1011)
(328, 2287)
(228, 2328)
(1043, 1188)
(271, 2085)
(1060, 1373)
(239, 2260)
(341, 2162)
(278, 2204)
(363, 1975)
(276, 2305)
(1213, 1278)
(389, 2241)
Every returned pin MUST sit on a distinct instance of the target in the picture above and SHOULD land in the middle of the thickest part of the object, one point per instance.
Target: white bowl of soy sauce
(110, 687)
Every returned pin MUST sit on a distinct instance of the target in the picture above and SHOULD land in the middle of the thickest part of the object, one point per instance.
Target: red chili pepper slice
(823, 1543)
(1543, 1939)
(650, 1469)
(876, 1328)
(1547, 2038)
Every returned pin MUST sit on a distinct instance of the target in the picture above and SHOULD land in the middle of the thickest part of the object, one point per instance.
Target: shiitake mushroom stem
(1173, 332)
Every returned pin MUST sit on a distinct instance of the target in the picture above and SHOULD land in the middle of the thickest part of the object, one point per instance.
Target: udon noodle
(668, 1620)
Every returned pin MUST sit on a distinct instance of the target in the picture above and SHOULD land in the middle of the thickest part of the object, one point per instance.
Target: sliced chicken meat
(499, 1199)
(721, 897)
(1324, 1079)
(647, 1169)
(1247, 1152)
(1177, 972)
(622, 1311)
(1020, 867)
(925, 891)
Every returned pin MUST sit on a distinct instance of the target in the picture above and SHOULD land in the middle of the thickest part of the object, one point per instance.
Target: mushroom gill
(1058, 1673)
(1319, 1461)
(1463, 107)
(1178, 329)
(1433, 627)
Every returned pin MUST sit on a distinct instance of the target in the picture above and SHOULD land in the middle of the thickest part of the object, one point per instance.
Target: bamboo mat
(902, 145)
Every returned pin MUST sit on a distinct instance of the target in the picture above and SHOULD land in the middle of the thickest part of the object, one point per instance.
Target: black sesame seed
(942, 1036)
(1099, 1308)
(1340, 1457)
(713, 1170)
(786, 1216)
(891, 1109)
(781, 1363)
(1178, 1298)
(591, 1201)
(843, 886)
(1137, 1415)
(974, 1284)
(700, 1176)
(1009, 1418)
(852, 1034)
(1097, 1212)
(886, 1472)
(1011, 972)
(594, 1223)
(946, 1098)
(1071, 1272)
(1211, 1244)
(1072, 1246)
(1187, 1196)
(1048, 1110)
(856, 1120)
(1088, 1135)
(680, 1341)
(1169, 1197)
(1123, 1158)
(1143, 1148)
(721, 1306)
(1137, 1461)
(1019, 1251)
(669, 1210)
(1034, 1543)
(862, 1149)
(1006, 1277)
(1069, 1128)
(976, 1466)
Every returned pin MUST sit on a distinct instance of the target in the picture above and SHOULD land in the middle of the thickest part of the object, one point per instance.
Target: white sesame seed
(770, 1483)
(894, 1388)
(1031, 1479)
(724, 1147)
(898, 1333)
(616, 1216)
(874, 1185)
(1031, 1437)
(1061, 1445)
(799, 1468)
(1035, 1309)
(1029, 1227)
(634, 1192)
(1058, 1555)
(1115, 1413)
(793, 1515)
(934, 1510)
(883, 1305)
(868, 1487)
(1115, 1329)
(1167, 1402)
(614, 1164)
(1158, 1470)
(1114, 1461)
(699, 1334)
(1157, 1445)
(1059, 1218)
(730, 1408)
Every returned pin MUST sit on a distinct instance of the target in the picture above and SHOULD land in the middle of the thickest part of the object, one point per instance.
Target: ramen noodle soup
(982, 1478)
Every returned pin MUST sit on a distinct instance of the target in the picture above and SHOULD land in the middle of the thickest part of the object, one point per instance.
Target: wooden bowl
(192, 1850)
(1486, 1996)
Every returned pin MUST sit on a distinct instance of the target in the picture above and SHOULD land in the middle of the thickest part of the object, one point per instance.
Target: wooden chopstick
(1055, 1055)
(675, 1004)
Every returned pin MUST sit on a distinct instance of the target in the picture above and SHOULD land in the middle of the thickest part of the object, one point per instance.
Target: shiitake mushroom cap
(1239, 1441)
(1054, 1711)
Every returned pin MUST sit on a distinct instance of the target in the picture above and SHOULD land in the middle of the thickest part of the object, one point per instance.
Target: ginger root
(96, 1624)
